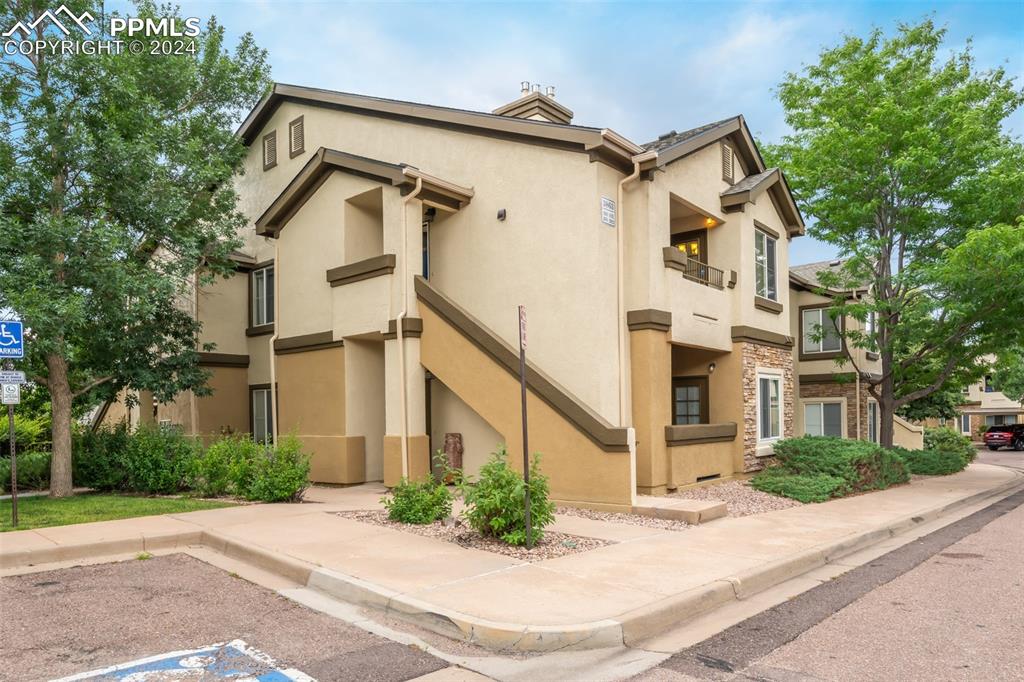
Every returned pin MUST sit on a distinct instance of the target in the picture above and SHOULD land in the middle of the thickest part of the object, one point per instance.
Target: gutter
(400, 322)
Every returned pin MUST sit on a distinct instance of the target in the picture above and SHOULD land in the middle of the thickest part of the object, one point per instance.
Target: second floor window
(820, 332)
(764, 266)
(263, 296)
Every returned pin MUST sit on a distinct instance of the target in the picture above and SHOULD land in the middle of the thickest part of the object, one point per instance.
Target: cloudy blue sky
(639, 68)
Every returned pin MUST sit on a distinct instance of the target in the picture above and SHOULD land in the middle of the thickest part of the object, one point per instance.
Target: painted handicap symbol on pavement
(235, 661)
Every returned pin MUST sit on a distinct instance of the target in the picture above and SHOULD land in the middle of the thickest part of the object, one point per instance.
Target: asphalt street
(74, 620)
(945, 607)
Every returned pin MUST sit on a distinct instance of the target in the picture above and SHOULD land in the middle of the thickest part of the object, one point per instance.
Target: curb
(626, 628)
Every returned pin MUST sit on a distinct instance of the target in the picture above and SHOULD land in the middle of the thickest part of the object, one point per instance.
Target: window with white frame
(824, 418)
(870, 324)
(820, 333)
(872, 421)
(764, 266)
(263, 296)
(769, 407)
(965, 423)
(262, 415)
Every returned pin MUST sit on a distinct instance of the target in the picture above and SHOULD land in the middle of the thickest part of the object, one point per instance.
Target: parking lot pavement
(69, 621)
(944, 607)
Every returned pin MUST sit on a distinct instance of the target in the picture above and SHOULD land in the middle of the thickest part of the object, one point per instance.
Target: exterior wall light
(711, 368)
(710, 222)
(502, 214)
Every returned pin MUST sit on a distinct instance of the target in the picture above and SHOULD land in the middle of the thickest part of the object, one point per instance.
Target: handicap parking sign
(11, 340)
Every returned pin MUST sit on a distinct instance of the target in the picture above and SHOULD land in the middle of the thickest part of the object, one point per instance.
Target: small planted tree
(116, 203)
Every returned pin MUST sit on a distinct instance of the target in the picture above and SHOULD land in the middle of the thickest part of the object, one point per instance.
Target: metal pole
(14, 467)
(526, 442)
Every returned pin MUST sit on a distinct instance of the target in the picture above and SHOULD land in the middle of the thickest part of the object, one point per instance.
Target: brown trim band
(834, 378)
(767, 230)
(260, 330)
(767, 305)
(609, 438)
(223, 360)
(649, 318)
(412, 328)
(306, 342)
(693, 434)
(374, 266)
(754, 335)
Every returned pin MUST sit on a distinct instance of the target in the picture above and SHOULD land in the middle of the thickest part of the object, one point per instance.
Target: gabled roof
(806, 277)
(605, 143)
(435, 192)
(673, 138)
(772, 181)
(680, 145)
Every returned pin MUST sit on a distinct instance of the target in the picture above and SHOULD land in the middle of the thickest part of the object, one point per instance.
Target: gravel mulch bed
(552, 546)
(620, 517)
(740, 497)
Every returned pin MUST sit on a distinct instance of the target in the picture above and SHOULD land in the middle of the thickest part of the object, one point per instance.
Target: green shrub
(948, 440)
(802, 487)
(495, 505)
(29, 433)
(33, 471)
(159, 460)
(276, 474)
(225, 467)
(418, 502)
(863, 465)
(98, 458)
(931, 462)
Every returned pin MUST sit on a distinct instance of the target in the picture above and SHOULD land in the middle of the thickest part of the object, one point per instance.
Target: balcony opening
(364, 226)
(690, 231)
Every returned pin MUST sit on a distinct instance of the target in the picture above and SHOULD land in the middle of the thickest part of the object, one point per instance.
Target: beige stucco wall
(226, 411)
(800, 298)
(449, 414)
(224, 313)
(364, 398)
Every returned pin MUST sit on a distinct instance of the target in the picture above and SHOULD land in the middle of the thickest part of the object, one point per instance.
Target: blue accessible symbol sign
(11, 340)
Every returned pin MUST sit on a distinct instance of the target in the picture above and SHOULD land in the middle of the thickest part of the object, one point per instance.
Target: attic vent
(270, 150)
(667, 135)
(727, 164)
(296, 137)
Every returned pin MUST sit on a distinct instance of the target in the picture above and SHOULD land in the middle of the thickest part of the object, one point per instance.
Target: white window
(942, 421)
(823, 419)
(869, 324)
(262, 416)
(965, 423)
(263, 296)
(764, 266)
(769, 407)
(817, 322)
(872, 421)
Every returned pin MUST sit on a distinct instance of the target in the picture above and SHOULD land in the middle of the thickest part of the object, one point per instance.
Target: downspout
(621, 278)
(400, 324)
(273, 338)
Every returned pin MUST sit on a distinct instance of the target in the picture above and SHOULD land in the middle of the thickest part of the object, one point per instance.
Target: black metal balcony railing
(703, 273)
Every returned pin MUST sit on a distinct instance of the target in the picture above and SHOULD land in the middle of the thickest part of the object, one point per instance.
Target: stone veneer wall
(846, 390)
(757, 355)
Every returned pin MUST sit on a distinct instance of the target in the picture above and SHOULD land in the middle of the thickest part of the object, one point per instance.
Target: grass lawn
(42, 511)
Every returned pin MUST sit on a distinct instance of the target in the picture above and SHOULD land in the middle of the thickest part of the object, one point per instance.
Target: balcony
(696, 271)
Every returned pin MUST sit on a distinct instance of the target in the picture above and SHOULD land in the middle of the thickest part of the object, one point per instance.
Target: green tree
(116, 200)
(900, 160)
(1008, 373)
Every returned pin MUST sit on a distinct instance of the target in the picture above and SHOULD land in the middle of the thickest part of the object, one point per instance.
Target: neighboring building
(983, 406)
(833, 399)
(654, 279)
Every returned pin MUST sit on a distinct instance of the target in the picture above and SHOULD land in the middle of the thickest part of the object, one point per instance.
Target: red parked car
(1008, 435)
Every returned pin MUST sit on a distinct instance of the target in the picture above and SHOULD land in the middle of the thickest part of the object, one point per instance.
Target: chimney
(535, 105)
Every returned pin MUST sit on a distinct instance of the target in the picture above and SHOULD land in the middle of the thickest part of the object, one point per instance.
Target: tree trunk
(886, 402)
(60, 411)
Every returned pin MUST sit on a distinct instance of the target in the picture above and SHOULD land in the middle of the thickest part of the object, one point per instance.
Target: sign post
(12, 345)
(526, 441)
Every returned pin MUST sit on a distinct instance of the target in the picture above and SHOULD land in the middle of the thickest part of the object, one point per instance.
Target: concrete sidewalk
(624, 592)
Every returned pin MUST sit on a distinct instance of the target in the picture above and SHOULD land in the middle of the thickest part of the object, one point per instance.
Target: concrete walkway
(644, 582)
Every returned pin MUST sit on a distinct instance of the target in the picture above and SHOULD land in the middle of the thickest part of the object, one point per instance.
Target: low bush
(931, 462)
(277, 474)
(495, 505)
(863, 465)
(29, 433)
(419, 502)
(33, 471)
(948, 440)
(159, 460)
(98, 458)
(225, 466)
(801, 487)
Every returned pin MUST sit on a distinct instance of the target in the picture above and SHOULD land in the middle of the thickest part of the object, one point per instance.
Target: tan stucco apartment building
(984, 405)
(374, 308)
